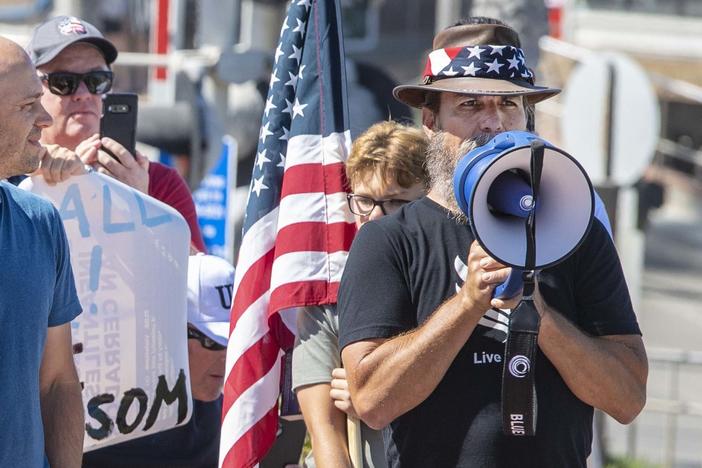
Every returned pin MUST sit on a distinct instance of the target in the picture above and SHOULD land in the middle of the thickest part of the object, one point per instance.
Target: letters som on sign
(178, 394)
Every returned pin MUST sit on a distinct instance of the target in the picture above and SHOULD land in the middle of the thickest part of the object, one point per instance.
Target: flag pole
(353, 432)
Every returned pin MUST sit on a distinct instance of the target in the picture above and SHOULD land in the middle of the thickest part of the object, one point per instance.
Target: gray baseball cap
(55, 34)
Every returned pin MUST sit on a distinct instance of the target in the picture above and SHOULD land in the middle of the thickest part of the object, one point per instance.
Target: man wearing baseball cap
(73, 61)
(210, 283)
(422, 338)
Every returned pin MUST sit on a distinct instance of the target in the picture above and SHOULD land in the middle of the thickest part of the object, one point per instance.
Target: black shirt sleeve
(601, 293)
(374, 299)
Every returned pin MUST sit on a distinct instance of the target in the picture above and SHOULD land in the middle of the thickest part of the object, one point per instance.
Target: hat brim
(415, 95)
(218, 331)
(106, 48)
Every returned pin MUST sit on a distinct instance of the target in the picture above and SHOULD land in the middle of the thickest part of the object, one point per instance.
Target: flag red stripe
(297, 237)
(284, 336)
(314, 177)
(453, 51)
(246, 452)
(301, 293)
(254, 284)
(251, 366)
(314, 237)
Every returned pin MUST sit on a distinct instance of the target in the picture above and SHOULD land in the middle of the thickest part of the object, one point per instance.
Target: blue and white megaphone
(497, 190)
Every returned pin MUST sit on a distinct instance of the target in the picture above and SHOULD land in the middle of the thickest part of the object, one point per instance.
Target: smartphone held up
(119, 119)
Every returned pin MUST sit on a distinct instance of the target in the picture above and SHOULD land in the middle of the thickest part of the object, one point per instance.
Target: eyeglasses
(363, 206)
(205, 341)
(66, 83)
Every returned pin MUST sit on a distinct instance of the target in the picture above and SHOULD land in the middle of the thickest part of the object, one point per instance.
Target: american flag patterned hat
(480, 59)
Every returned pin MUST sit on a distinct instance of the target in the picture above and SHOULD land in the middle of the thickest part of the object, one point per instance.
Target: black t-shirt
(194, 445)
(399, 271)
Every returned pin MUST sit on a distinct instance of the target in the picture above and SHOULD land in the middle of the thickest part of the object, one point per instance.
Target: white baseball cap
(210, 284)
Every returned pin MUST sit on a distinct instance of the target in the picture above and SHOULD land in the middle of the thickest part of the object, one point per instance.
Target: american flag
(297, 228)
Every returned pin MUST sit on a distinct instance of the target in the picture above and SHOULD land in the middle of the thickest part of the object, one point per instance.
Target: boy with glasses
(196, 444)
(385, 171)
(73, 61)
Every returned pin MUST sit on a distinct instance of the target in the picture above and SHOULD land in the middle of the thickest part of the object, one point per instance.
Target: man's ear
(428, 121)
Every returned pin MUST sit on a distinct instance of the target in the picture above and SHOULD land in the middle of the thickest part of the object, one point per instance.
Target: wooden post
(353, 431)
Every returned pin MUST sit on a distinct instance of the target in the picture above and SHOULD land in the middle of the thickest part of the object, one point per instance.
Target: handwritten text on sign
(129, 254)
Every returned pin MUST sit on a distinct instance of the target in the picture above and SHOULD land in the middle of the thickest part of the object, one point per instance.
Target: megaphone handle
(519, 402)
(510, 287)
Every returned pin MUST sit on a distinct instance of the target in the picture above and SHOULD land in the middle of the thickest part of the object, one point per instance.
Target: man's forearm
(64, 424)
(402, 372)
(608, 373)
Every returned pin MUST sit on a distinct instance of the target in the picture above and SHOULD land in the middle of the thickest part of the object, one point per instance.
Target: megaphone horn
(519, 182)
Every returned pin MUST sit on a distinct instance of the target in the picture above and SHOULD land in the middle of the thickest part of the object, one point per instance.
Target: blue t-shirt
(37, 291)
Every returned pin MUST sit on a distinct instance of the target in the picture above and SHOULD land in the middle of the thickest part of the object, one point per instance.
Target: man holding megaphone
(423, 338)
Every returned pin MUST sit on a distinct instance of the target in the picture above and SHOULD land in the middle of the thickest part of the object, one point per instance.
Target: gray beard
(441, 163)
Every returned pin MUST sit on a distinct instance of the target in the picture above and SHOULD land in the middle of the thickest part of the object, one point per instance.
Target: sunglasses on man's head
(67, 83)
(205, 341)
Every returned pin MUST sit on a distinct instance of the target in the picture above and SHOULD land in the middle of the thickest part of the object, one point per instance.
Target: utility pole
(447, 13)
(260, 23)
(528, 17)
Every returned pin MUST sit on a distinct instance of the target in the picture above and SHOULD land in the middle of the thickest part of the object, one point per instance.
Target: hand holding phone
(118, 123)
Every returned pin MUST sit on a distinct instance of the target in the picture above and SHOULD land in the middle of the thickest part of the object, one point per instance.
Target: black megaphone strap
(519, 400)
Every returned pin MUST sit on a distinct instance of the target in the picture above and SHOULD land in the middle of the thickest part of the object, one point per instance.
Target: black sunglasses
(363, 206)
(66, 83)
(205, 341)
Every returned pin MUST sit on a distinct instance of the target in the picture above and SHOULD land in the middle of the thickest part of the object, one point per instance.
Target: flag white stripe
(438, 59)
(250, 407)
(308, 266)
(310, 149)
(314, 207)
(250, 328)
(256, 242)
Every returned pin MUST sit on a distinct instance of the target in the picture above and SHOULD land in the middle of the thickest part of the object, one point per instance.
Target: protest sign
(129, 254)
(213, 203)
